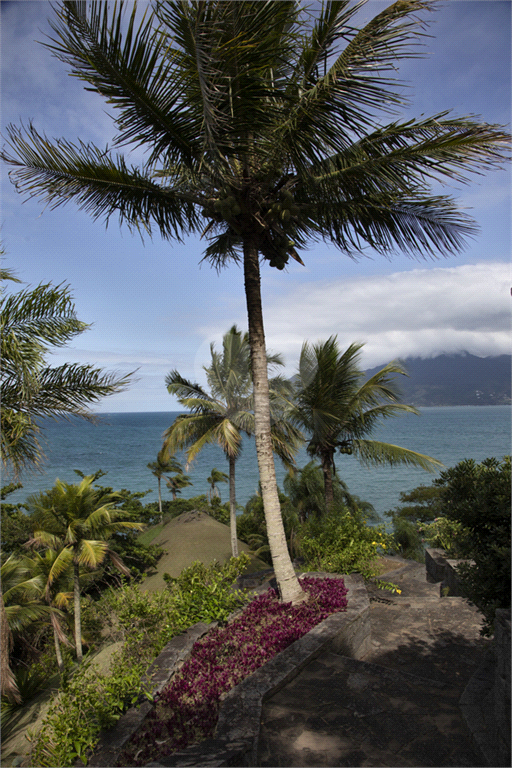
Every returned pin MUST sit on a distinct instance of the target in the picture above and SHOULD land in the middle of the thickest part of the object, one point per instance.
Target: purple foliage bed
(187, 710)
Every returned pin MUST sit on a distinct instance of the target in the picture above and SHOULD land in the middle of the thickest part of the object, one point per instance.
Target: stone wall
(442, 569)
(485, 703)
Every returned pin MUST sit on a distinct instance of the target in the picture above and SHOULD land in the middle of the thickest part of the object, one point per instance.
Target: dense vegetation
(465, 510)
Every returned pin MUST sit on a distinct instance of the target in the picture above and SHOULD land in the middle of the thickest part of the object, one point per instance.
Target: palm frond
(183, 388)
(91, 553)
(100, 184)
(375, 453)
(140, 84)
(19, 617)
(338, 105)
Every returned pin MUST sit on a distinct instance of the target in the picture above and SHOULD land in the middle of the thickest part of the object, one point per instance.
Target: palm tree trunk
(287, 580)
(160, 499)
(58, 652)
(328, 488)
(76, 603)
(232, 506)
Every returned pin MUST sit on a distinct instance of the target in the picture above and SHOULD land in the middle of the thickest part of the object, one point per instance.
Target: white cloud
(422, 312)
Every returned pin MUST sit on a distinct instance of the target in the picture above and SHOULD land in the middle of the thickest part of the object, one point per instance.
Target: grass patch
(147, 537)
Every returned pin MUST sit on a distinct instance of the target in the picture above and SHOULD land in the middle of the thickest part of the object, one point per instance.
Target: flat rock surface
(397, 707)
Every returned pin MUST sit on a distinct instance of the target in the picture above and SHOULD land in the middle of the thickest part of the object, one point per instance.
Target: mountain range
(456, 379)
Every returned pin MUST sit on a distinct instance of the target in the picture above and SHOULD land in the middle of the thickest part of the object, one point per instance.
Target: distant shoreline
(460, 405)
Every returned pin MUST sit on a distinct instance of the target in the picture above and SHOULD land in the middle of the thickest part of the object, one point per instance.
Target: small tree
(339, 410)
(226, 412)
(77, 520)
(176, 483)
(477, 496)
(163, 465)
(216, 476)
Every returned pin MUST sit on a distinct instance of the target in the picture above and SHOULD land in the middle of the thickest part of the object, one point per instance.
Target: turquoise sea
(122, 444)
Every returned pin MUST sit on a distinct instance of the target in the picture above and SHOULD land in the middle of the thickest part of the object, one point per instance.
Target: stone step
(344, 712)
(437, 638)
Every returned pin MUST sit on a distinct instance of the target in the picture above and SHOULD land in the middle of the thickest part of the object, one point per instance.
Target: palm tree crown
(339, 411)
(263, 130)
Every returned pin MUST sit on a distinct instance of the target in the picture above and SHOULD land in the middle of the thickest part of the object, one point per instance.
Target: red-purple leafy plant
(187, 709)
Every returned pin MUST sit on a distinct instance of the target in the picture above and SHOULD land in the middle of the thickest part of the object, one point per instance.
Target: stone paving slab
(344, 712)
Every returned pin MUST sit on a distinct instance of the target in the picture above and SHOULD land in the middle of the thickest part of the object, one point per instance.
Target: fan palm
(78, 520)
(163, 465)
(263, 129)
(338, 411)
(222, 415)
(216, 476)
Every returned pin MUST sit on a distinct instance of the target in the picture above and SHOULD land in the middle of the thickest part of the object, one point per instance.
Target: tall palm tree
(163, 465)
(339, 412)
(263, 129)
(216, 476)
(78, 520)
(176, 483)
(222, 415)
(32, 322)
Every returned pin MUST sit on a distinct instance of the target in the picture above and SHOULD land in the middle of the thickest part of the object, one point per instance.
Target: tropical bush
(477, 497)
(416, 508)
(341, 542)
(407, 540)
(449, 535)
(187, 709)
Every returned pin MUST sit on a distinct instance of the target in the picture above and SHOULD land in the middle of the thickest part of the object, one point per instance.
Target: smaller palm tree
(225, 413)
(305, 490)
(216, 476)
(55, 568)
(176, 483)
(339, 410)
(163, 465)
(78, 520)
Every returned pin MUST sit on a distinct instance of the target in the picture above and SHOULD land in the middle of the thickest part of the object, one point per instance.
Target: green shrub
(86, 703)
(340, 542)
(407, 540)
(449, 535)
(477, 497)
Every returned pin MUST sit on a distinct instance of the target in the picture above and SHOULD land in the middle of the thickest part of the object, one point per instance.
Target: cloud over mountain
(418, 313)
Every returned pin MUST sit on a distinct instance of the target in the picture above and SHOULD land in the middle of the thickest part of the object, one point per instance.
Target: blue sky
(152, 305)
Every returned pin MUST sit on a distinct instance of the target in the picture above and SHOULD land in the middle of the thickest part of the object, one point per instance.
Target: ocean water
(122, 444)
